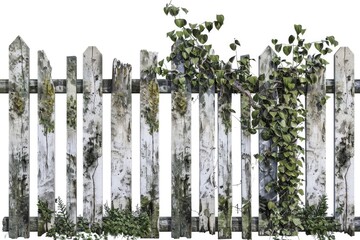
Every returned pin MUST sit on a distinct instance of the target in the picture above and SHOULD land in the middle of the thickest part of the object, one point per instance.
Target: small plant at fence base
(124, 223)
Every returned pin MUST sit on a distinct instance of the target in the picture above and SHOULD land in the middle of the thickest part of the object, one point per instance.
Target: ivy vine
(276, 106)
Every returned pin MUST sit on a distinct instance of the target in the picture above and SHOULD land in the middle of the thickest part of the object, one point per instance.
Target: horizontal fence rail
(164, 86)
(121, 86)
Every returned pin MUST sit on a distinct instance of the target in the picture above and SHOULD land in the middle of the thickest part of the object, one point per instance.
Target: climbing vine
(277, 108)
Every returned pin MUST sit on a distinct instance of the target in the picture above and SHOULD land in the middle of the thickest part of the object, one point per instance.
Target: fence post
(245, 167)
(315, 145)
(224, 164)
(344, 139)
(71, 124)
(92, 136)
(19, 137)
(207, 158)
(267, 167)
(121, 159)
(46, 141)
(181, 156)
(149, 141)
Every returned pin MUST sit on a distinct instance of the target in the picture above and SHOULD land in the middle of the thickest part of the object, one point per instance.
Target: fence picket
(245, 169)
(344, 139)
(267, 167)
(207, 159)
(46, 140)
(315, 144)
(92, 136)
(71, 155)
(149, 141)
(181, 158)
(224, 165)
(19, 136)
(121, 136)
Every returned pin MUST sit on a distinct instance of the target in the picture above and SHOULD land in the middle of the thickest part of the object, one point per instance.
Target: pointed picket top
(149, 141)
(19, 139)
(92, 135)
(315, 144)
(267, 167)
(121, 155)
(344, 139)
(46, 140)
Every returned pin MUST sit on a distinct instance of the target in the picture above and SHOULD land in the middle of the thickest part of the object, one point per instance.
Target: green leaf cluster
(124, 223)
(281, 117)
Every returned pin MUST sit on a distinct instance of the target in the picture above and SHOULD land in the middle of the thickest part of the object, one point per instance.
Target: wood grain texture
(344, 139)
(46, 140)
(121, 136)
(315, 145)
(19, 137)
(92, 136)
(267, 167)
(207, 159)
(71, 129)
(224, 165)
(245, 169)
(181, 158)
(149, 141)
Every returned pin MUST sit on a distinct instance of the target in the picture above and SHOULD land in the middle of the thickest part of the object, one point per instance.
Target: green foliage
(124, 223)
(281, 117)
(277, 108)
(316, 223)
(132, 225)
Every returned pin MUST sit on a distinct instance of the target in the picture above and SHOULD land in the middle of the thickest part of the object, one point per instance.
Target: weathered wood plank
(71, 150)
(181, 157)
(19, 137)
(164, 86)
(121, 136)
(267, 167)
(344, 139)
(245, 168)
(92, 136)
(207, 159)
(46, 140)
(149, 141)
(224, 165)
(315, 145)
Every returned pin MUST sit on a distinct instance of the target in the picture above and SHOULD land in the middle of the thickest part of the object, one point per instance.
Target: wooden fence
(121, 86)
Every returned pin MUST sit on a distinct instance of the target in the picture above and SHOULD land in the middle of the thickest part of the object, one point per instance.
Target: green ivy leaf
(185, 10)
(217, 25)
(291, 39)
(203, 38)
(233, 46)
(180, 22)
(274, 41)
(298, 28)
(278, 47)
(271, 205)
(319, 46)
(287, 50)
(174, 11)
(220, 18)
(237, 42)
(209, 26)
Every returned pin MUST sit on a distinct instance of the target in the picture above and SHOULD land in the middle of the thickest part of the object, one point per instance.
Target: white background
(120, 29)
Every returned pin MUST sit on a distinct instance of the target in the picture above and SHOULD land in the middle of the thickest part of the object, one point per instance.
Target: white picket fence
(121, 86)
